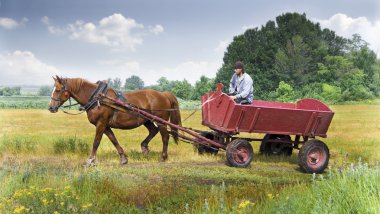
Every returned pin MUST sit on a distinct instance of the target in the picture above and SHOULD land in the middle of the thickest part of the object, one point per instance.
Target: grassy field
(42, 157)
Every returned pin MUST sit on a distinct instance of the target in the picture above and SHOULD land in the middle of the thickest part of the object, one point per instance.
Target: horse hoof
(124, 160)
(164, 158)
(145, 150)
(90, 163)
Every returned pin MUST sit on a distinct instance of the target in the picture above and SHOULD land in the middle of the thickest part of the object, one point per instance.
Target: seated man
(241, 85)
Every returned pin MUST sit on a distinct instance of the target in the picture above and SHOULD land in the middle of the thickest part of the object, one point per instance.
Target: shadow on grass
(293, 159)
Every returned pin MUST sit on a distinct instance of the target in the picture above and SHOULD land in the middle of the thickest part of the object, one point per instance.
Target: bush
(285, 93)
(17, 144)
(70, 144)
(331, 94)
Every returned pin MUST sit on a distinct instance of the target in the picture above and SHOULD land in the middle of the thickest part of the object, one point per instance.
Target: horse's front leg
(111, 136)
(98, 137)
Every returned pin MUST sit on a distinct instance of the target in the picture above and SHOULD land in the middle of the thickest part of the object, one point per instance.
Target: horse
(105, 118)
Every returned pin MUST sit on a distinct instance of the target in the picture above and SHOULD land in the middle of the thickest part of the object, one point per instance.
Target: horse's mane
(75, 84)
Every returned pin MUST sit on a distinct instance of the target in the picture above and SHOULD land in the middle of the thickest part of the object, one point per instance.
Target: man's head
(239, 68)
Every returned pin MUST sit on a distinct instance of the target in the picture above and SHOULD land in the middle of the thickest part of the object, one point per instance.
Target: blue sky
(176, 39)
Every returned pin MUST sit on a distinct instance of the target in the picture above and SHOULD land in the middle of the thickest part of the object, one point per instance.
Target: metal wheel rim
(241, 155)
(316, 158)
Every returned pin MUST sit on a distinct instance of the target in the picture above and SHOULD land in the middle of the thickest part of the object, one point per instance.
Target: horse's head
(59, 95)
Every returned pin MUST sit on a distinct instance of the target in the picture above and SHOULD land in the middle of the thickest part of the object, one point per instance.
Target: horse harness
(95, 99)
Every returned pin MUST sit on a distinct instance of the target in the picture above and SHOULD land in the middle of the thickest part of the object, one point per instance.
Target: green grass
(40, 150)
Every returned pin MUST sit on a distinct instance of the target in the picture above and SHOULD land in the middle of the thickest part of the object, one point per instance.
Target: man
(241, 85)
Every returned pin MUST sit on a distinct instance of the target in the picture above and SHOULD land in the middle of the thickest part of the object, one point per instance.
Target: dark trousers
(242, 101)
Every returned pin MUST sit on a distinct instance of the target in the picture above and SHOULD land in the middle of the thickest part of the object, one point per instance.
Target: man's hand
(233, 97)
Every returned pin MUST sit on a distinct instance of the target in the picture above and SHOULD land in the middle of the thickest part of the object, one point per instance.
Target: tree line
(10, 91)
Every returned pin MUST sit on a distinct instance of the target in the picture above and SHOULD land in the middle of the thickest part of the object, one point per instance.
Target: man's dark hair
(239, 65)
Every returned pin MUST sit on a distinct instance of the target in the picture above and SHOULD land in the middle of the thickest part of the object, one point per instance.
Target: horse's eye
(57, 91)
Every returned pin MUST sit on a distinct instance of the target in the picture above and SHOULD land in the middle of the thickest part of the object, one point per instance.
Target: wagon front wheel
(239, 153)
(313, 156)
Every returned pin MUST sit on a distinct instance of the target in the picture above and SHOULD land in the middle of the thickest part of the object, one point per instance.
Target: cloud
(52, 29)
(157, 29)
(346, 26)
(24, 68)
(114, 31)
(10, 24)
(189, 70)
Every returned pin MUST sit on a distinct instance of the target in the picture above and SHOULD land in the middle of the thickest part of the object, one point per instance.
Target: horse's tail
(175, 114)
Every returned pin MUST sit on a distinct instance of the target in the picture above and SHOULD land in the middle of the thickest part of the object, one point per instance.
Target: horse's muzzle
(53, 109)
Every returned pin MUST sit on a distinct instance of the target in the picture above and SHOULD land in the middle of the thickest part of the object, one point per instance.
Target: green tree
(183, 89)
(353, 87)
(293, 63)
(287, 49)
(134, 83)
(44, 91)
(202, 86)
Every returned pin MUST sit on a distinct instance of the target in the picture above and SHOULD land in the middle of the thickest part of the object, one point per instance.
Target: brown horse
(104, 118)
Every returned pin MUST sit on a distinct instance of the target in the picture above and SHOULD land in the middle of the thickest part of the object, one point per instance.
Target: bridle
(63, 91)
(102, 87)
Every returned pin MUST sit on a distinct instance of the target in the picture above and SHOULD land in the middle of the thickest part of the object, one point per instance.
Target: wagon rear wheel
(313, 156)
(274, 148)
(202, 149)
(239, 153)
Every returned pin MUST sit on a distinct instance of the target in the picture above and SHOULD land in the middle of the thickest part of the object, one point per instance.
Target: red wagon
(305, 119)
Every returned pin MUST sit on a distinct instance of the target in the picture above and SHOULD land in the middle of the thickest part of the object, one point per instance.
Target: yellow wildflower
(56, 212)
(45, 201)
(20, 209)
(17, 194)
(244, 203)
(48, 189)
(86, 206)
(270, 195)
(62, 203)
(67, 188)
(9, 201)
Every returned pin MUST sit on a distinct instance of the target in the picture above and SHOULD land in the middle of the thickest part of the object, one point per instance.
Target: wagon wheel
(239, 153)
(314, 156)
(270, 148)
(202, 149)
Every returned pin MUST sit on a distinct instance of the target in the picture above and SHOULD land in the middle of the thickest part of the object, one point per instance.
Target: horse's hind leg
(111, 136)
(165, 140)
(153, 130)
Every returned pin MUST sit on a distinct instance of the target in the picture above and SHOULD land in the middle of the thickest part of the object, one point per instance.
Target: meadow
(42, 157)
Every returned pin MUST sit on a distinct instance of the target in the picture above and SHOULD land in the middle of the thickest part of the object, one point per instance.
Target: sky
(176, 39)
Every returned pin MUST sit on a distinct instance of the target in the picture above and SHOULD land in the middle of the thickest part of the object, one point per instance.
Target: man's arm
(232, 84)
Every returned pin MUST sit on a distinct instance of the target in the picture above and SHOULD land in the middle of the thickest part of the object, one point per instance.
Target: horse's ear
(59, 79)
(55, 79)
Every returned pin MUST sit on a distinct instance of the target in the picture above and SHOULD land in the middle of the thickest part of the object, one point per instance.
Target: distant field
(42, 157)
(41, 102)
